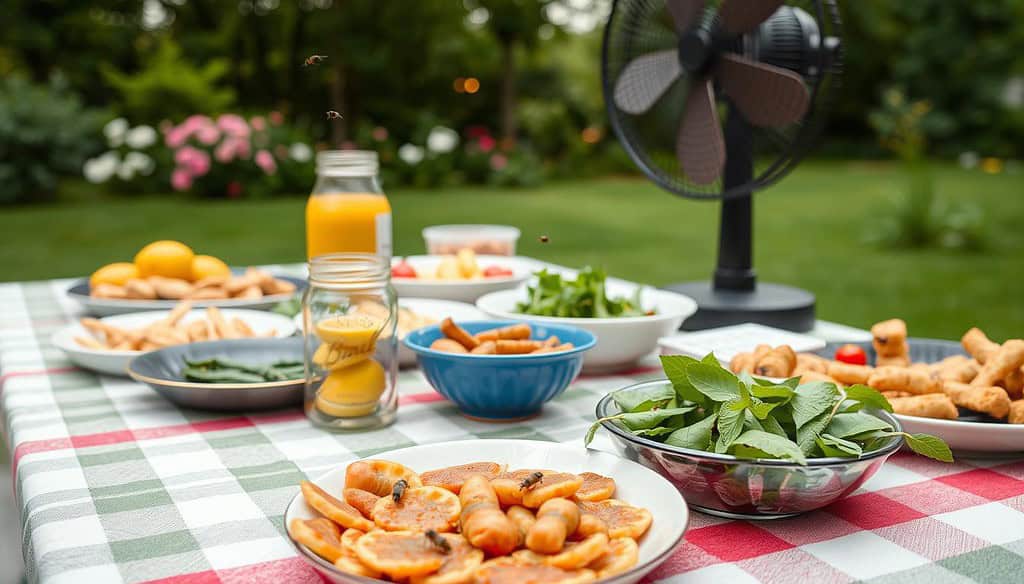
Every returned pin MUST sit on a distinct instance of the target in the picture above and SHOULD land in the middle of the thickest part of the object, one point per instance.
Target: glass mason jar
(351, 350)
(347, 211)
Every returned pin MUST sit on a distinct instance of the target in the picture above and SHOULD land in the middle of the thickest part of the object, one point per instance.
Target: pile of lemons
(355, 381)
(165, 258)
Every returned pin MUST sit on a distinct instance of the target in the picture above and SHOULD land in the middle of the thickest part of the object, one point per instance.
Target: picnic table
(116, 484)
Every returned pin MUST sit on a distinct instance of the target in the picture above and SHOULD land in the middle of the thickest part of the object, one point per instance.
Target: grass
(808, 233)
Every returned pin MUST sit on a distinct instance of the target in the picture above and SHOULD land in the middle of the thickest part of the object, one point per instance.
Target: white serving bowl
(621, 342)
(635, 485)
(459, 290)
(116, 362)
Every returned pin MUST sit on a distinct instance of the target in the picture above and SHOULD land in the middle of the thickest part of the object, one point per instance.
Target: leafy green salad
(584, 297)
(707, 407)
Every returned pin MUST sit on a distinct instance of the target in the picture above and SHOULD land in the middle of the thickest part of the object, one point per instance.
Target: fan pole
(735, 270)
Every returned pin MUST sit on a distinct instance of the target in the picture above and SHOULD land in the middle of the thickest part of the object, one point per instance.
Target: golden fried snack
(623, 520)
(448, 346)
(809, 376)
(550, 486)
(589, 525)
(250, 293)
(485, 348)
(349, 538)
(361, 500)
(978, 345)
(849, 374)
(105, 290)
(458, 334)
(321, 535)
(419, 509)
(459, 564)
(963, 370)
(207, 294)
(334, 509)
(514, 332)
(140, 289)
(516, 347)
(1014, 383)
(932, 405)
(889, 338)
(742, 362)
(557, 519)
(1016, 415)
(90, 343)
(760, 351)
(552, 341)
(579, 554)
(892, 394)
(895, 361)
(595, 487)
(779, 362)
(623, 553)
(1008, 358)
(453, 477)
(523, 519)
(399, 554)
(483, 523)
(350, 563)
(914, 381)
(810, 362)
(379, 476)
(512, 571)
(990, 400)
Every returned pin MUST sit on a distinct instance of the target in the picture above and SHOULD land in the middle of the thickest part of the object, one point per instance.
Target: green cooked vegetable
(223, 370)
(583, 297)
(709, 408)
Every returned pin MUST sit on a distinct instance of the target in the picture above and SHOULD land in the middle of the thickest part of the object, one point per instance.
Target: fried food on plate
(989, 400)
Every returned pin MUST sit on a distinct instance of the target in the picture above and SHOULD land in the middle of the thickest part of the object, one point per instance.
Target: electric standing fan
(715, 100)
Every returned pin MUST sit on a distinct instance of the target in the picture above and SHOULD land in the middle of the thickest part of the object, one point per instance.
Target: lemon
(117, 273)
(352, 391)
(358, 331)
(171, 259)
(207, 266)
(333, 357)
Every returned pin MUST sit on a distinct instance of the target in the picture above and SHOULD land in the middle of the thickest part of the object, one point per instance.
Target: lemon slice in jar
(336, 356)
(350, 330)
(352, 391)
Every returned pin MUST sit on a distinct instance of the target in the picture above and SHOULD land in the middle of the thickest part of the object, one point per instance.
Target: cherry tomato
(402, 270)
(852, 354)
(497, 272)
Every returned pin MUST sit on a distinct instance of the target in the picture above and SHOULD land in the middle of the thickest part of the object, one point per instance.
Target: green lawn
(808, 233)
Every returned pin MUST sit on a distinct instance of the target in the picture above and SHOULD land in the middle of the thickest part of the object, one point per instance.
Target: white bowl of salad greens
(627, 319)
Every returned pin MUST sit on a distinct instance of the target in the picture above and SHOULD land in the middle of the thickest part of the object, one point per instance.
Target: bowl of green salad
(627, 319)
(752, 448)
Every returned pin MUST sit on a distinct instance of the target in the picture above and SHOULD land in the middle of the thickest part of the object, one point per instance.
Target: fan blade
(700, 145)
(684, 12)
(743, 16)
(766, 95)
(645, 79)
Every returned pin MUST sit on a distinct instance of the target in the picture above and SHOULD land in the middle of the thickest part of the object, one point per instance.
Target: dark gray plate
(161, 370)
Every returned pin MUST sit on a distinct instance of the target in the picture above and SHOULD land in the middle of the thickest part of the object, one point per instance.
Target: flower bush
(130, 162)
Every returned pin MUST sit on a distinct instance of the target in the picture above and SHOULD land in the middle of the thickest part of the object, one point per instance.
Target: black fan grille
(639, 27)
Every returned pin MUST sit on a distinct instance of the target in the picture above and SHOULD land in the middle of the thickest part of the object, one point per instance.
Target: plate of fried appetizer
(482, 511)
(970, 394)
(108, 344)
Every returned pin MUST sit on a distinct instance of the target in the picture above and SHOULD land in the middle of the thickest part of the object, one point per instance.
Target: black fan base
(772, 305)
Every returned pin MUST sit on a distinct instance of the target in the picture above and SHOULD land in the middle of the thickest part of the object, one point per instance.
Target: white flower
(140, 162)
(969, 159)
(140, 137)
(300, 152)
(115, 131)
(126, 172)
(410, 154)
(442, 140)
(100, 169)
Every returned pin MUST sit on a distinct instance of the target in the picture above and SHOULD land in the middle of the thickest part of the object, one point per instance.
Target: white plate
(725, 342)
(635, 484)
(116, 362)
(969, 437)
(435, 309)
(79, 291)
(621, 342)
(460, 290)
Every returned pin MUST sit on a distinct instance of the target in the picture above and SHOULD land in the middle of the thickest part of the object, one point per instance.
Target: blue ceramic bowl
(501, 387)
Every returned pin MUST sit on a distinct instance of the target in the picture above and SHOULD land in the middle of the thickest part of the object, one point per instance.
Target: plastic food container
(483, 239)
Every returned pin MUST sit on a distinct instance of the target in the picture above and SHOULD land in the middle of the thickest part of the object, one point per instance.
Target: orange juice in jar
(347, 211)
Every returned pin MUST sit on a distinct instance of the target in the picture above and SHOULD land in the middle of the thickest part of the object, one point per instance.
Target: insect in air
(438, 540)
(531, 480)
(399, 489)
(333, 115)
(313, 60)
(544, 239)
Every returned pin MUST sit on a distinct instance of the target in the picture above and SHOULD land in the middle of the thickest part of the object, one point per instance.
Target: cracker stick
(90, 343)
(895, 394)
(516, 347)
(1016, 415)
(1009, 357)
(242, 327)
(889, 337)
(961, 371)
(224, 328)
(513, 332)
(933, 405)
(990, 400)
(458, 334)
(849, 374)
(978, 345)
(180, 309)
(903, 379)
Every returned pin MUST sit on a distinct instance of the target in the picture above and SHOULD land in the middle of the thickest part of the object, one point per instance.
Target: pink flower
(196, 121)
(265, 160)
(200, 164)
(242, 148)
(486, 143)
(176, 137)
(181, 180)
(183, 157)
(258, 123)
(234, 189)
(225, 152)
(380, 133)
(208, 135)
(276, 118)
(234, 125)
(498, 161)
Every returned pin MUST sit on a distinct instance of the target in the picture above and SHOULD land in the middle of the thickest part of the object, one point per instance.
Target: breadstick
(889, 337)
(779, 362)
(448, 346)
(989, 400)
(557, 519)
(742, 362)
(977, 343)
(483, 523)
(242, 327)
(458, 334)
(903, 379)
(224, 328)
(849, 374)
(90, 343)
(961, 371)
(1001, 363)
(1014, 383)
(485, 348)
(512, 332)
(1016, 415)
(894, 361)
(932, 405)
(516, 347)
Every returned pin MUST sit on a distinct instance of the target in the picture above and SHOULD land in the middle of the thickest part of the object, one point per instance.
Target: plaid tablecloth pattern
(116, 484)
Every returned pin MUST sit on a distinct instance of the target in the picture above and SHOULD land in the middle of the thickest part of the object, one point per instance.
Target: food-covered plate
(462, 278)
(635, 484)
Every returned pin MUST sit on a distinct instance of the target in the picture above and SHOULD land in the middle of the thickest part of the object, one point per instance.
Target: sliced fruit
(207, 266)
(350, 563)
(623, 520)
(510, 571)
(362, 500)
(399, 554)
(459, 564)
(353, 391)
(331, 356)
(579, 554)
(453, 477)
(358, 331)
(321, 535)
(419, 509)
(338, 511)
(117, 274)
(379, 476)
(171, 259)
(595, 487)
(350, 537)
(623, 553)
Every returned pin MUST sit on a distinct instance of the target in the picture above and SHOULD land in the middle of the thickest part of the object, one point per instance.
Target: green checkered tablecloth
(116, 484)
